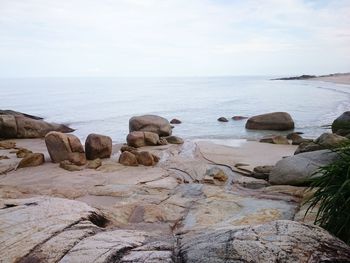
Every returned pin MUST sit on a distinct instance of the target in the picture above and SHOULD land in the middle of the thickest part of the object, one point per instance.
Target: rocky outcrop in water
(279, 121)
(341, 125)
(150, 123)
(20, 125)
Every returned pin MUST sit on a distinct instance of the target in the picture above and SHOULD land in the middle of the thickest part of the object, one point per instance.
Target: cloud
(163, 37)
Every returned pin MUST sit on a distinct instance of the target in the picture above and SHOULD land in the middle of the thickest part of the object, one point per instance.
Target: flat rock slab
(278, 241)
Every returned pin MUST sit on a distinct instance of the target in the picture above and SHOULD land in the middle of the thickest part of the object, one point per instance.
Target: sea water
(104, 105)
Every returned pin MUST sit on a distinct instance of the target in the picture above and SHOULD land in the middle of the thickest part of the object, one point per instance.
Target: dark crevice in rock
(98, 220)
(32, 203)
(118, 255)
(8, 206)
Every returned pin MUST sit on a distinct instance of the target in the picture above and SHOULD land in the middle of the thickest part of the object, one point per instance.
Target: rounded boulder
(277, 121)
(98, 146)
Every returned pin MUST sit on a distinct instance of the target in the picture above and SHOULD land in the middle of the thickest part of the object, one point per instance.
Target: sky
(141, 38)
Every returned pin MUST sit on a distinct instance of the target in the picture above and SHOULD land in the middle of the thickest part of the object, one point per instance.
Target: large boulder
(277, 241)
(297, 169)
(341, 125)
(278, 121)
(98, 146)
(63, 147)
(20, 126)
(139, 139)
(150, 123)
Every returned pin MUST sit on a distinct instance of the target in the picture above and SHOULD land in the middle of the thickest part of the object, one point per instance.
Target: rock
(98, 146)
(163, 141)
(127, 148)
(239, 118)
(4, 157)
(277, 241)
(217, 174)
(341, 125)
(22, 152)
(17, 113)
(296, 138)
(128, 159)
(262, 172)
(276, 139)
(44, 228)
(31, 159)
(174, 139)
(7, 145)
(139, 139)
(20, 126)
(223, 119)
(308, 147)
(208, 180)
(150, 123)
(297, 169)
(94, 164)
(292, 135)
(145, 158)
(175, 121)
(65, 147)
(329, 140)
(279, 121)
(325, 141)
(69, 166)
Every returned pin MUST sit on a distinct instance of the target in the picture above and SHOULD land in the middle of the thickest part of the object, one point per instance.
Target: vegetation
(332, 196)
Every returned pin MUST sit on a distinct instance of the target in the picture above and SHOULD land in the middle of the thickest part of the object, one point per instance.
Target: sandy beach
(337, 78)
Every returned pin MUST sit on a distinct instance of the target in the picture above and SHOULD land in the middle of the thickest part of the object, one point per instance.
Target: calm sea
(104, 105)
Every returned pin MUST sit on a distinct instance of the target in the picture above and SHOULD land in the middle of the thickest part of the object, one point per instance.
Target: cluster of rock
(67, 150)
(130, 156)
(235, 118)
(19, 125)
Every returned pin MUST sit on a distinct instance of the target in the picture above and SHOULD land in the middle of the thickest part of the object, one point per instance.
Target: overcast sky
(173, 38)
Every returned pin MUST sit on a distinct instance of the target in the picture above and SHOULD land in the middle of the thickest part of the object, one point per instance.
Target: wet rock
(279, 121)
(297, 139)
(239, 118)
(175, 121)
(94, 164)
(277, 241)
(31, 159)
(291, 135)
(341, 125)
(20, 126)
(262, 172)
(128, 159)
(22, 152)
(174, 139)
(150, 123)
(308, 147)
(222, 119)
(276, 139)
(65, 147)
(69, 166)
(297, 169)
(7, 145)
(139, 139)
(98, 146)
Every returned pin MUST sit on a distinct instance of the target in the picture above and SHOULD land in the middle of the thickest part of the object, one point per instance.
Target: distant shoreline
(339, 78)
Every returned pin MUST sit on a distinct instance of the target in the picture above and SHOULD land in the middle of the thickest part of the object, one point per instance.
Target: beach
(193, 190)
(336, 78)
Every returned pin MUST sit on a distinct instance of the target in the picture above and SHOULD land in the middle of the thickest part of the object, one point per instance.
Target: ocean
(104, 105)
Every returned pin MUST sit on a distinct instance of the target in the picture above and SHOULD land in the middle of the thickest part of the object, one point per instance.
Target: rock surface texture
(295, 170)
(22, 126)
(279, 121)
(150, 123)
(63, 147)
(278, 241)
(98, 146)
